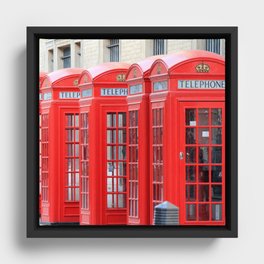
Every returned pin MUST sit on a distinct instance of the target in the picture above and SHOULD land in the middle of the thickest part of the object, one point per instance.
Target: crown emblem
(202, 67)
(75, 82)
(135, 73)
(158, 69)
(121, 77)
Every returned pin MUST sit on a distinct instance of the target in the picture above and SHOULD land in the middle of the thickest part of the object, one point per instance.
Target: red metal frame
(173, 69)
(60, 97)
(103, 90)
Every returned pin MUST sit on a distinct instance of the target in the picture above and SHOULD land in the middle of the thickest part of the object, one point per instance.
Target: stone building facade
(63, 53)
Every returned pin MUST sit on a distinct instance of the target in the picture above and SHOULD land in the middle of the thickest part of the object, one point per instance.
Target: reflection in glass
(190, 117)
(122, 119)
(190, 212)
(77, 150)
(190, 154)
(216, 135)
(216, 174)
(111, 200)
(121, 184)
(216, 212)
(76, 120)
(203, 116)
(121, 201)
(111, 136)
(121, 168)
(190, 136)
(190, 193)
(216, 116)
(111, 169)
(216, 154)
(121, 136)
(190, 173)
(203, 135)
(121, 152)
(203, 193)
(203, 174)
(203, 212)
(111, 120)
(111, 152)
(203, 155)
(216, 193)
(77, 135)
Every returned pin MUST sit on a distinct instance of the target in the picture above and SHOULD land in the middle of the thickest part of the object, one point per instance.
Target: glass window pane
(109, 184)
(190, 154)
(216, 135)
(77, 135)
(121, 201)
(216, 154)
(109, 201)
(77, 194)
(70, 134)
(111, 136)
(122, 168)
(111, 152)
(203, 115)
(121, 184)
(190, 119)
(77, 150)
(216, 193)
(111, 120)
(203, 193)
(216, 212)
(190, 136)
(190, 193)
(203, 212)
(76, 164)
(203, 135)
(70, 150)
(121, 152)
(77, 179)
(122, 136)
(203, 174)
(203, 154)
(122, 119)
(190, 174)
(216, 116)
(190, 212)
(216, 173)
(111, 169)
(76, 120)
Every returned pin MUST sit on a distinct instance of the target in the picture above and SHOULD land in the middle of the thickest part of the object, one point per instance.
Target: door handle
(181, 155)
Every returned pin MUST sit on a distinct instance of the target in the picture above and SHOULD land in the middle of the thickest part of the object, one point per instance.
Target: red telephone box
(139, 87)
(187, 121)
(103, 127)
(60, 147)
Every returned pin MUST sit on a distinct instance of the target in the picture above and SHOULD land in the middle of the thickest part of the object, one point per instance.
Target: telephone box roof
(174, 59)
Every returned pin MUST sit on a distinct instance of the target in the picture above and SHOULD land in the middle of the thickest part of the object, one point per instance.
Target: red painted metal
(103, 171)
(59, 108)
(167, 115)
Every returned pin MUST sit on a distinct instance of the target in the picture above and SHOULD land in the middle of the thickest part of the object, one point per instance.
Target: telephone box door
(202, 163)
(115, 174)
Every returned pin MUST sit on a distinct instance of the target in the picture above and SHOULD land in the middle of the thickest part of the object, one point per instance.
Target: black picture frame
(230, 34)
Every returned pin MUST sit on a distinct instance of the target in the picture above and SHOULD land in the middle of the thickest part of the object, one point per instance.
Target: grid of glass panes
(116, 160)
(72, 157)
(84, 139)
(203, 164)
(133, 163)
(40, 120)
(157, 130)
(44, 157)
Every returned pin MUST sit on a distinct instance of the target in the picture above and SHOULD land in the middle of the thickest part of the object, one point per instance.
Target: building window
(66, 57)
(77, 54)
(50, 60)
(114, 49)
(159, 46)
(133, 164)
(72, 157)
(157, 145)
(213, 45)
